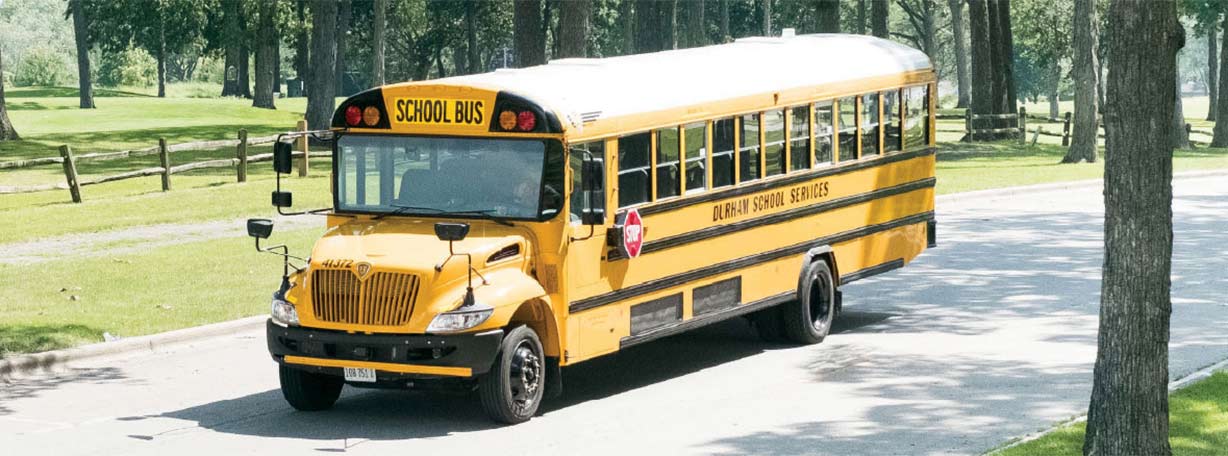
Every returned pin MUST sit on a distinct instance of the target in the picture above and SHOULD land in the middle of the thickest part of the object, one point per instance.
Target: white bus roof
(586, 89)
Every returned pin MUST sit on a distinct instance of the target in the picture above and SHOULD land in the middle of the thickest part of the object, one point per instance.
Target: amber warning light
(510, 120)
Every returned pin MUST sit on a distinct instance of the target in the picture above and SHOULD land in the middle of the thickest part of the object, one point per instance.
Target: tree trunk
(377, 48)
(471, 37)
(1212, 73)
(1181, 138)
(626, 14)
(878, 18)
(301, 45)
(7, 132)
(1220, 134)
(961, 52)
(231, 38)
(1086, 101)
(81, 34)
(725, 36)
(996, 59)
(1054, 87)
(696, 32)
(161, 59)
(929, 31)
(828, 13)
(528, 38)
(320, 99)
(645, 26)
(669, 21)
(1006, 47)
(982, 65)
(573, 28)
(266, 53)
(1128, 413)
(344, 12)
(861, 17)
(767, 17)
(245, 84)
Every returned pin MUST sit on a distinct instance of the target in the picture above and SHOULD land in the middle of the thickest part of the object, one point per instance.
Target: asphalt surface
(989, 336)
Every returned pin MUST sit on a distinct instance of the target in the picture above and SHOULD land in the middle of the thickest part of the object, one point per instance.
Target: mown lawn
(1198, 425)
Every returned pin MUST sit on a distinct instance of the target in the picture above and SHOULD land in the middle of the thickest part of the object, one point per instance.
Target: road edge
(51, 360)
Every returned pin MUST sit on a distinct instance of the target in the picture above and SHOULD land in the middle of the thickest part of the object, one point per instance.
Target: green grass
(1198, 425)
(158, 290)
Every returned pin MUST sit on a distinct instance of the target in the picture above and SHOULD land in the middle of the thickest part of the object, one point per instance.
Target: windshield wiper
(401, 210)
(405, 209)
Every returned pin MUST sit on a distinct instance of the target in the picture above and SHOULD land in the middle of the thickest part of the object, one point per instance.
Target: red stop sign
(633, 234)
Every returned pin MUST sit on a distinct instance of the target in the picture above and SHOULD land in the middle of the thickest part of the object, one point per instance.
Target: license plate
(359, 374)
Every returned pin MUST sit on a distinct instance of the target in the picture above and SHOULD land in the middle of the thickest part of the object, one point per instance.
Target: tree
(1206, 16)
(345, 11)
(1005, 46)
(724, 23)
(1128, 412)
(878, 18)
(160, 27)
(1044, 43)
(529, 36)
(982, 65)
(696, 28)
(471, 37)
(961, 52)
(1086, 125)
(1212, 75)
(81, 34)
(1220, 133)
(320, 97)
(1181, 138)
(922, 18)
(302, 43)
(828, 12)
(377, 44)
(266, 56)
(861, 17)
(767, 17)
(7, 132)
(232, 37)
(573, 28)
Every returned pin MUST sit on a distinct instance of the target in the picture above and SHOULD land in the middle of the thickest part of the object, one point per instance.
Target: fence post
(968, 124)
(1036, 136)
(302, 145)
(70, 173)
(1066, 131)
(1187, 136)
(1023, 124)
(242, 151)
(164, 156)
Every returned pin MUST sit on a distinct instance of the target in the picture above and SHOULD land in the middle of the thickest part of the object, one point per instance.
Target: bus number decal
(438, 111)
(775, 199)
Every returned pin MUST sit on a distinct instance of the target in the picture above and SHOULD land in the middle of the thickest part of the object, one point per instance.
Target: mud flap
(554, 378)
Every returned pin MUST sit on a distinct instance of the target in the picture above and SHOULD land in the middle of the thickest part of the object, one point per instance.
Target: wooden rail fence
(73, 183)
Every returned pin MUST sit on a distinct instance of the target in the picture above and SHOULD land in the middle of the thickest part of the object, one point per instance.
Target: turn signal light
(507, 120)
(353, 115)
(370, 116)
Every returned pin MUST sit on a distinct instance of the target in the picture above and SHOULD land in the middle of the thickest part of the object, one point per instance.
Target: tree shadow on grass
(33, 338)
(68, 92)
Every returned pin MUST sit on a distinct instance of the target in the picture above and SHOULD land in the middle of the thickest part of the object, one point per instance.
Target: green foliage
(130, 67)
(42, 66)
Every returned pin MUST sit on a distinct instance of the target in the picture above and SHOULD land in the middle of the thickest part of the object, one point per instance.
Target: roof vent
(788, 33)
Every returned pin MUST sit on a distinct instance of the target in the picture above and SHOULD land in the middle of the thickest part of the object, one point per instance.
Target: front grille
(384, 299)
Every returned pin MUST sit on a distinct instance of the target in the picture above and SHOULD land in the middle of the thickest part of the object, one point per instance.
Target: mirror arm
(284, 253)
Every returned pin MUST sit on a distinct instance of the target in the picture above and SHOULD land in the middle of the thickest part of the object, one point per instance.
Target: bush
(133, 67)
(42, 66)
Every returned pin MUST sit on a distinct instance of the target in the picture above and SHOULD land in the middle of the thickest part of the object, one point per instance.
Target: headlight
(460, 319)
(283, 312)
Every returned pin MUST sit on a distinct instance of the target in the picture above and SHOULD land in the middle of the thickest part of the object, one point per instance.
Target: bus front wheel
(308, 391)
(808, 320)
(512, 391)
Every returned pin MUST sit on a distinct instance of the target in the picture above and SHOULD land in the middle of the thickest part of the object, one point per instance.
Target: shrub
(42, 66)
(133, 67)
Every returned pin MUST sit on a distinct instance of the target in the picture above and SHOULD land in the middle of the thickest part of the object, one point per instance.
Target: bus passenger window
(869, 124)
(822, 133)
(667, 163)
(799, 138)
(891, 121)
(722, 157)
(774, 139)
(848, 128)
(696, 136)
(748, 150)
(916, 118)
(633, 180)
(596, 149)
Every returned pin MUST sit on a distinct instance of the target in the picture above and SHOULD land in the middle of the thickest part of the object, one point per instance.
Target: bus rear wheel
(512, 391)
(808, 319)
(309, 392)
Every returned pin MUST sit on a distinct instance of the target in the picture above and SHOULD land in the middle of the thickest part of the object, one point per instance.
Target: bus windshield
(440, 176)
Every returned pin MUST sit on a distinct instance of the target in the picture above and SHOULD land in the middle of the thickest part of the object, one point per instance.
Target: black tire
(769, 324)
(808, 319)
(309, 392)
(512, 391)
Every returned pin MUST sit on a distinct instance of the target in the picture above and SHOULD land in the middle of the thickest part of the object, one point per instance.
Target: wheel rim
(820, 302)
(525, 375)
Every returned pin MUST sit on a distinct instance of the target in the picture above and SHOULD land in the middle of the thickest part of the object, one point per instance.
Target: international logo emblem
(362, 269)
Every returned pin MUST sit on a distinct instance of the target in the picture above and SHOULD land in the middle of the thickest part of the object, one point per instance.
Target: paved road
(989, 336)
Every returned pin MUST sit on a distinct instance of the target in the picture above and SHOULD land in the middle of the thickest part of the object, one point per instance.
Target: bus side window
(915, 118)
(774, 141)
(696, 136)
(848, 128)
(722, 157)
(633, 179)
(748, 150)
(869, 124)
(667, 162)
(823, 133)
(799, 138)
(891, 121)
(578, 151)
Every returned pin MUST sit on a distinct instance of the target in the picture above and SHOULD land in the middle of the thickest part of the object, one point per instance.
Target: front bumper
(393, 356)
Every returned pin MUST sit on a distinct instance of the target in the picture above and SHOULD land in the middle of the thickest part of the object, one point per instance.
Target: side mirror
(592, 188)
(283, 153)
(282, 199)
(259, 228)
(451, 231)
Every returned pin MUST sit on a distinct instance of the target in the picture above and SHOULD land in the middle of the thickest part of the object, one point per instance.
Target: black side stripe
(780, 217)
(872, 271)
(666, 206)
(739, 263)
(704, 320)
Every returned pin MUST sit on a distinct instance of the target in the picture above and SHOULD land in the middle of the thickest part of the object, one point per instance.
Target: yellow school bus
(488, 230)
